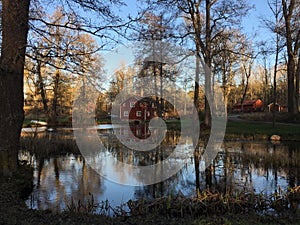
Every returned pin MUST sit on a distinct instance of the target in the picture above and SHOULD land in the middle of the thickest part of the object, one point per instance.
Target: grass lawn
(263, 129)
(260, 130)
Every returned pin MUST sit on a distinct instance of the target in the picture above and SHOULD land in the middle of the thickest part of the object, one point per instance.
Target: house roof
(273, 104)
(136, 98)
(247, 103)
(279, 104)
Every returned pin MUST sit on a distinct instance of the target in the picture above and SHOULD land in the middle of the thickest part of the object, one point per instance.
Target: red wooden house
(277, 107)
(138, 109)
(249, 106)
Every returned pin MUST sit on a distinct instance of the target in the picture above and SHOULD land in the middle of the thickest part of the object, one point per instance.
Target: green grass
(261, 129)
(26, 122)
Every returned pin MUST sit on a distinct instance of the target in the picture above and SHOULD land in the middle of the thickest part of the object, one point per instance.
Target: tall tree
(226, 62)
(246, 70)
(206, 20)
(291, 13)
(154, 31)
(59, 56)
(123, 78)
(276, 27)
(12, 59)
(15, 21)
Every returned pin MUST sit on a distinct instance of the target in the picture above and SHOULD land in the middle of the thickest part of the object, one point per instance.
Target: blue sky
(252, 24)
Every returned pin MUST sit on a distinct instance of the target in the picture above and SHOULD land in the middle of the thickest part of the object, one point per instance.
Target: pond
(60, 178)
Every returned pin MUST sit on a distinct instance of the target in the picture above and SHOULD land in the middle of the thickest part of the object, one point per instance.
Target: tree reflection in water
(258, 166)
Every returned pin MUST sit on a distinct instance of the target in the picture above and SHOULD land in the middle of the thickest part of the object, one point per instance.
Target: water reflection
(261, 167)
(57, 179)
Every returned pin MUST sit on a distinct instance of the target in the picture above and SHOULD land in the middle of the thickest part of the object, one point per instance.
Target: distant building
(249, 106)
(277, 107)
(138, 109)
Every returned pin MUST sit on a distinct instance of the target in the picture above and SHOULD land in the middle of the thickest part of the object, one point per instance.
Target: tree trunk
(52, 116)
(161, 103)
(196, 89)
(291, 86)
(207, 60)
(42, 87)
(275, 81)
(297, 83)
(197, 157)
(288, 13)
(248, 74)
(277, 11)
(266, 84)
(226, 83)
(244, 94)
(14, 40)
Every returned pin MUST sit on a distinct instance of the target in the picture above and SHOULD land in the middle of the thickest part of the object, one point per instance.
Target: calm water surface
(259, 166)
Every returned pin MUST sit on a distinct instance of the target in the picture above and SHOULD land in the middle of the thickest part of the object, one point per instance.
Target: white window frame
(132, 104)
(138, 113)
(125, 114)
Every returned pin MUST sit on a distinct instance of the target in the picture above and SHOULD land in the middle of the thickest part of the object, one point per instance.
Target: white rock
(275, 137)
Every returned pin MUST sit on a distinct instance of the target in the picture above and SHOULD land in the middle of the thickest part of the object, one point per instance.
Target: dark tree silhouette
(14, 39)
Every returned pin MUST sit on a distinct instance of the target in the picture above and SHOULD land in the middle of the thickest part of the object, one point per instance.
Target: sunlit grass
(286, 131)
(259, 130)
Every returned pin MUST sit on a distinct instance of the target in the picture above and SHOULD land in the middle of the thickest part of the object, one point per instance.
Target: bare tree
(246, 69)
(227, 58)
(291, 13)
(15, 24)
(276, 27)
(206, 20)
(153, 32)
(59, 57)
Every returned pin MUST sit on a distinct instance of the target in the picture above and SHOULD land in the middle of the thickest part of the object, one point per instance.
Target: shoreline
(13, 210)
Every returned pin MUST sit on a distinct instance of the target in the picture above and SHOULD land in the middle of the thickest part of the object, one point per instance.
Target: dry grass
(45, 147)
(216, 203)
(167, 210)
